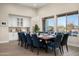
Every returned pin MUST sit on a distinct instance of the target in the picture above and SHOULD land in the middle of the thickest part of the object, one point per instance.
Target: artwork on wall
(3, 23)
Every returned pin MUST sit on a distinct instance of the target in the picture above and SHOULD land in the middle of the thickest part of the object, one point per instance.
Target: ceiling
(34, 5)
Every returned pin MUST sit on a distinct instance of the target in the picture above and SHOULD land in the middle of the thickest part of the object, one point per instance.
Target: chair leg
(25, 44)
(55, 51)
(32, 48)
(21, 44)
(38, 51)
(67, 47)
(60, 49)
(19, 41)
(46, 50)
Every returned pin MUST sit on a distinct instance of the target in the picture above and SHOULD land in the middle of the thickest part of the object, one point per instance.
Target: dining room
(39, 29)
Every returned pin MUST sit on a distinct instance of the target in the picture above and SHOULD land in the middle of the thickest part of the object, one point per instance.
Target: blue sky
(51, 22)
(73, 19)
(61, 21)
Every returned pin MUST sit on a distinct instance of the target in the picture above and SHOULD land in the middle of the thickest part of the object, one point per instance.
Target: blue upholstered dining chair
(56, 43)
(64, 41)
(36, 43)
(29, 40)
(23, 38)
(19, 38)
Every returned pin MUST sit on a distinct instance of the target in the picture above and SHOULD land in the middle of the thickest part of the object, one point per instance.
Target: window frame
(59, 15)
(44, 20)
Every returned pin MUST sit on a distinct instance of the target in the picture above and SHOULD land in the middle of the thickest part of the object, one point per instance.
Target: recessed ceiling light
(35, 5)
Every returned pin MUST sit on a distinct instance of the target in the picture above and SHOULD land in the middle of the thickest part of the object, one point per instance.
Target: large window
(50, 24)
(61, 24)
(67, 22)
(72, 22)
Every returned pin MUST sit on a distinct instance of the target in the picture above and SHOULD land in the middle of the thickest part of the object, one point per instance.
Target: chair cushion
(53, 45)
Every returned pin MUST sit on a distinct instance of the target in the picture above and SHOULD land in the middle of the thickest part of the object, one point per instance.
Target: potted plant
(36, 28)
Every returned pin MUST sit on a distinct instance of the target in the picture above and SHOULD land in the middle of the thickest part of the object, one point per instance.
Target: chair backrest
(23, 37)
(65, 39)
(35, 40)
(19, 36)
(29, 39)
(59, 38)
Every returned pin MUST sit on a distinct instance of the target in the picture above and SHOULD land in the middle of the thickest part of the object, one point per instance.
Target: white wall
(49, 10)
(54, 9)
(5, 10)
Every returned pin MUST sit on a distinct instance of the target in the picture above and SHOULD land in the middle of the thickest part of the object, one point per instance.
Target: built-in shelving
(17, 24)
(19, 29)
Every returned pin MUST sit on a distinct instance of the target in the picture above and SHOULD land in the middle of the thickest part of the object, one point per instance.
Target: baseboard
(13, 40)
(4, 41)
